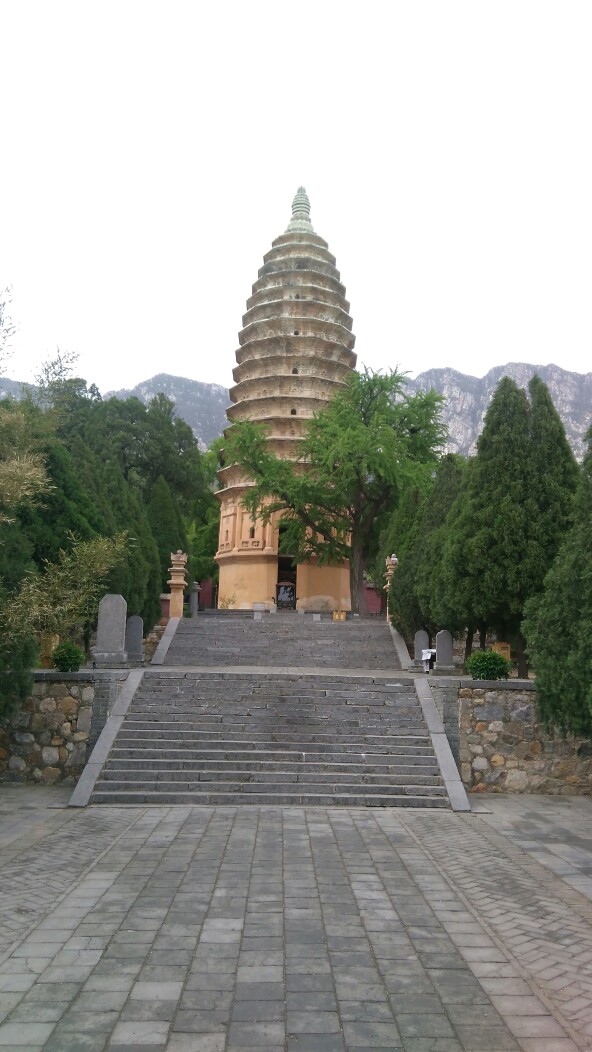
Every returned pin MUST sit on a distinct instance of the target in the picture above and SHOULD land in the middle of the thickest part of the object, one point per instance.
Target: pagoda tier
(295, 352)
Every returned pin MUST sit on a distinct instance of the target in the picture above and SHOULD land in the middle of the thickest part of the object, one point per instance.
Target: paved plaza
(201, 929)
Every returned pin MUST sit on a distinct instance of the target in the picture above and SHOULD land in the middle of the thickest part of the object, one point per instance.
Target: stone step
(239, 774)
(233, 735)
(300, 738)
(415, 772)
(243, 752)
(309, 785)
(353, 799)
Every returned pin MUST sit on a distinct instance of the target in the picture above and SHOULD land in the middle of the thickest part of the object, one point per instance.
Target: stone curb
(286, 671)
(86, 783)
(401, 648)
(457, 795)
(488, 684)
(167, 638)
(85, 675)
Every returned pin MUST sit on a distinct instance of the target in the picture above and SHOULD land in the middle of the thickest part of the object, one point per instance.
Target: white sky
(150, 153)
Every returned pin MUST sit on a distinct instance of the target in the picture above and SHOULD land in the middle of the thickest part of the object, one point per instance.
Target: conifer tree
(166, 524)
(558, 623)
(404, 539)
(506, 527)
(442, 606)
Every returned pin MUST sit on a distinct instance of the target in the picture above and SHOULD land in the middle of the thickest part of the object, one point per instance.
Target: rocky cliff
(467, 398)
(204, 406)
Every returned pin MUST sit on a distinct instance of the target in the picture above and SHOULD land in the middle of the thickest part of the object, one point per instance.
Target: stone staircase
(228, 738)
(283, 640)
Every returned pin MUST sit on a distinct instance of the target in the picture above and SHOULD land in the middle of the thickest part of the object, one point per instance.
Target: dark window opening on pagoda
(292, 412)
(294, 372)
(296, 332)
(252, 532)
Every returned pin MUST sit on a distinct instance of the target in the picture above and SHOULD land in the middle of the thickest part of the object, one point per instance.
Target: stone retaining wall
(47, 739)
(502, 747)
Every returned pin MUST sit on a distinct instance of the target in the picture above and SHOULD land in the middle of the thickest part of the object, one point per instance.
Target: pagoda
(295, 351)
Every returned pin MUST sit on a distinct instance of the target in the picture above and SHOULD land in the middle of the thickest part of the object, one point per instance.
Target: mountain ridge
(203, 406)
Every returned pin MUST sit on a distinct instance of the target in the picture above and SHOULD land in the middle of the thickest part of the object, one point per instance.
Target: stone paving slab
(221, 928)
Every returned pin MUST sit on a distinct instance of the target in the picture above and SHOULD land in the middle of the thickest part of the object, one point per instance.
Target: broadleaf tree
(370, 440)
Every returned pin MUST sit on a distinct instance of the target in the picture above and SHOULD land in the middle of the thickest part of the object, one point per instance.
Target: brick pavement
(206, 929)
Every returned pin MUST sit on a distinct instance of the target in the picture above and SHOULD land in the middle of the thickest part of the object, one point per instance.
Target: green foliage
(405, 539)
(67, 657)
(166, 525)
(506, 525)
(558, 623)
(23, 477)
(417, 534)
(370, 441)
(486, 664)
(17, 657)
(67, 510)
(65, 594)
(203, 543)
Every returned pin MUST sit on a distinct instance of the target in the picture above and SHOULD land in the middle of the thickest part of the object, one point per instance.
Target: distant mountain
(203, 406)
(467, 398)
(13, 388)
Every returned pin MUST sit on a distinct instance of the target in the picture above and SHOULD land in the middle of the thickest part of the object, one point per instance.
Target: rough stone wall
(503, 749)
(48, 739)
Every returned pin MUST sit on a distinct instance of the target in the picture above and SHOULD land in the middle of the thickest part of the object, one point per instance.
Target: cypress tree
(505, 529)
(166, 524)
(558, 623)
(404, 539)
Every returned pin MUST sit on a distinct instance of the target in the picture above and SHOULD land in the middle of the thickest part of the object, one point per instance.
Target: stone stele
(110, 647)
(421, 642)
(134, 639)
(444, 658)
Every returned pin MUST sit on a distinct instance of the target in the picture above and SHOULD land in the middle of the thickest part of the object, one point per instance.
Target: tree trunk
(356, 581)
(521, 659)
(469, 642)
(482, 636)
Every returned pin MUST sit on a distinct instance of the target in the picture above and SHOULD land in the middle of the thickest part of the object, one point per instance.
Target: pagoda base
(249, 579)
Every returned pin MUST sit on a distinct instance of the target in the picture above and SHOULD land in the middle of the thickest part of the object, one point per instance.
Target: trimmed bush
(486, 664)
(67, 657)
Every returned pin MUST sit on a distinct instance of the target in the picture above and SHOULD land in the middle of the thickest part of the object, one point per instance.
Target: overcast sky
(151, 151)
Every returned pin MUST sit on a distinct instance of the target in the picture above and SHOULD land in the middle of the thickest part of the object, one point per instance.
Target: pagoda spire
(300, 220)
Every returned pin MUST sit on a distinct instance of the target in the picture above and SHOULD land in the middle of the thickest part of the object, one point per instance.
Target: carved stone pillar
(176, 582)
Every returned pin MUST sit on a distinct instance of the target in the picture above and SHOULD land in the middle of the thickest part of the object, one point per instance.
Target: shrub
(67, 657)
(486, 664)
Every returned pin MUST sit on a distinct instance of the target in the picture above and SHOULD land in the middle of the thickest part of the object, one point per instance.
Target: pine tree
(558, 623)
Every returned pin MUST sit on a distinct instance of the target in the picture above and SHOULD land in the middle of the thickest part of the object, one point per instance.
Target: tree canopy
(490, 530)
(370, 441)
(80, 512)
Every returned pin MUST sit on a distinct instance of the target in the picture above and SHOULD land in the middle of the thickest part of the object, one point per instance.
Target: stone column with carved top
(176, 582)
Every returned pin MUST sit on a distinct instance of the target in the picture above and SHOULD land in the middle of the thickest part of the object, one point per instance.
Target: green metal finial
(300, 220)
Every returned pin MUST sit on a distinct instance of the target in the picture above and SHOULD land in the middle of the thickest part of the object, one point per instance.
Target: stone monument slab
(194, 599)
(110, 646)
(444, 658)
(134, 639)
(421, 642)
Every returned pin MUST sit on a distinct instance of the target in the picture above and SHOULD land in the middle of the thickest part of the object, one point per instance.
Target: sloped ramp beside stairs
(205, 737)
